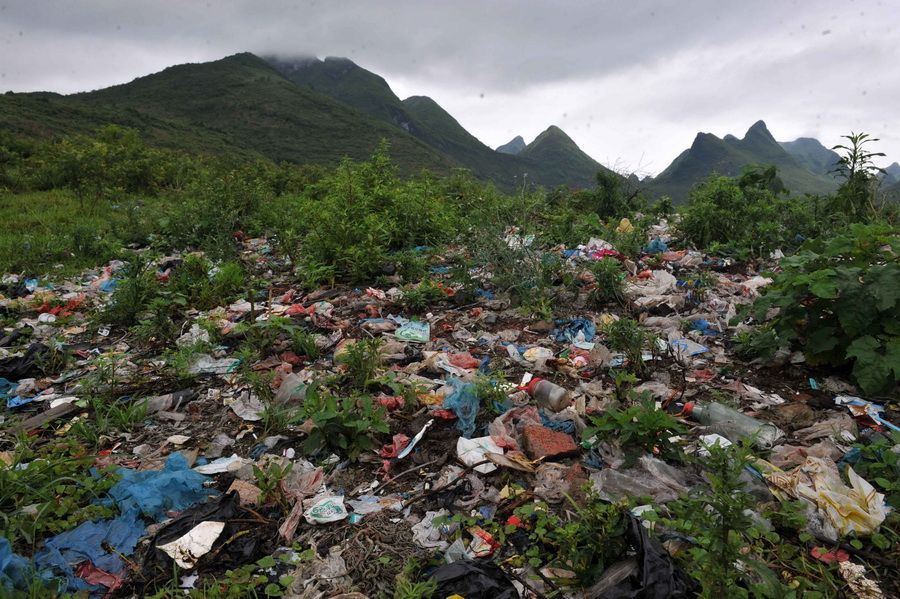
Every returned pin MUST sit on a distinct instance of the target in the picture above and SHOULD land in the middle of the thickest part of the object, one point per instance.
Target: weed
(627, 336)
(50, 492)
(407, 587)
(417, 298)
(637, 429)
(341, 424)
(304, 344)
(108, 416)
(586, 544)
(269, 482)
(837, 300)
(717, 518)
(759, 342)
(136, 287)
(362, 360)
(608, 283)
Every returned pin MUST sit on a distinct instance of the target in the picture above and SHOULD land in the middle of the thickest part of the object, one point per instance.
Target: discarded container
(734, 425)
(548, 395)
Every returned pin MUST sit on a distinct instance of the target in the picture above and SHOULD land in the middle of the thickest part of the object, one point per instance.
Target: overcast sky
(632, 82)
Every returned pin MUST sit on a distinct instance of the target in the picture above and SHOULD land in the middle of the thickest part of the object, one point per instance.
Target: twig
(404, 473)
(452, 483)
(537, 593)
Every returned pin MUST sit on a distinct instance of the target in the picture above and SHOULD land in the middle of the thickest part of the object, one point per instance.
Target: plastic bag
(473, 580)
(155, 492)
(472, 451)
(414, 331)
(651, 574)
(650, 476)
(464, 403)
(327, 509)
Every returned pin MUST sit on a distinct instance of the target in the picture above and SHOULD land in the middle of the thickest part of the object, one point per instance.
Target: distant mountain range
(306, 110)
(801, 164)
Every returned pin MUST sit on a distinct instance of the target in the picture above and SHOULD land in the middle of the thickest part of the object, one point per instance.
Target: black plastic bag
(19, 367)
(473, 580)
(650, 574)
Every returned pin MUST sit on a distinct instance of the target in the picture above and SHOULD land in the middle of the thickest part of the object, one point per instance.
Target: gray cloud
(630, 82)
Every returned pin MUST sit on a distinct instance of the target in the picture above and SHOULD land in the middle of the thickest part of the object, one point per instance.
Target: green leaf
(822, 284)
(266, 562)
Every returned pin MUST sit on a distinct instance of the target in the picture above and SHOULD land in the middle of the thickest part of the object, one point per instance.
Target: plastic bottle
(733, 424)
(548, 395)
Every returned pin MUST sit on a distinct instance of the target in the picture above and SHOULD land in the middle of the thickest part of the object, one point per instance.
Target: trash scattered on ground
(463, 444)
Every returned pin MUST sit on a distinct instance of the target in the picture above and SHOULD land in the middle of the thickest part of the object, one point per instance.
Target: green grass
(45, 228)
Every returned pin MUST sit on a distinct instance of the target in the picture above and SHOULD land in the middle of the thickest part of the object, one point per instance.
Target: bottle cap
(532, 385)
(688, 408)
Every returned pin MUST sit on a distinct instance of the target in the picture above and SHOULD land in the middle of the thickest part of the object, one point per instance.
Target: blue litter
(440, 270)
(704, 327)
(569, 253)
(6, 386)
(18, 400)
(485, 365)
(813, 384)
(109, 285)
(569, 332)
(562, 426)
(464, 403)
(31, 285)
(656, 246)
(154, 492)
(593, 459)
(86, 542)
(488, 295)
(15, 571)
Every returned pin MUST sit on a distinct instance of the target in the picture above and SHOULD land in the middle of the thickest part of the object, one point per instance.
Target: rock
(542, 442)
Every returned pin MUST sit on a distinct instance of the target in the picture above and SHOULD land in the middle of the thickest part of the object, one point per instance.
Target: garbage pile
(309, 443)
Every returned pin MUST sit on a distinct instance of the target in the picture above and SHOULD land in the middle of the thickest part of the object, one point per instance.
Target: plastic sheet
(15, 570)
(19, 367)
(857, 508)
(473, 580)
(154, 492)
(472, 451)
(464, 403)
(237, 543)
(651, 574)
(88, 542)
(576, 329)
(650, 477)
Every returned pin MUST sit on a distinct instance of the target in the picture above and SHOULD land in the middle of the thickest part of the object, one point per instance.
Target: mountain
(728, 156)
(424, 119)
(345, 81)
(891, 175)
(239, 106)
(812, 155)
(561, 158)
(513, 146)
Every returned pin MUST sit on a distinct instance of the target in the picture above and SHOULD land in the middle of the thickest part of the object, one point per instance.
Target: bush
(838, 300)
(745, 216)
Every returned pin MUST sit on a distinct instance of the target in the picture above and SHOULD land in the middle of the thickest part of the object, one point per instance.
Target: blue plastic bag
(464, 403)
(154, 492)
(567, 330)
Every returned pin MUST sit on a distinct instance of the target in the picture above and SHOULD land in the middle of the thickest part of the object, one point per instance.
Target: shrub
(839, 300)
(746, 216)
(640, 428)
(343, 424)
(608, 281)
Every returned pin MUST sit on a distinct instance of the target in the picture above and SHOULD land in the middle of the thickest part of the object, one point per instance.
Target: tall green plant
(838, 299)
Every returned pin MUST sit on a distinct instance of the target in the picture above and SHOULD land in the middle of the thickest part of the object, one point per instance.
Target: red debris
(542, 442)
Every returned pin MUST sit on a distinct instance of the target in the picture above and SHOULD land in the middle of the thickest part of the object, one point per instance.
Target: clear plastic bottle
(734, 425)
(548, 395)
